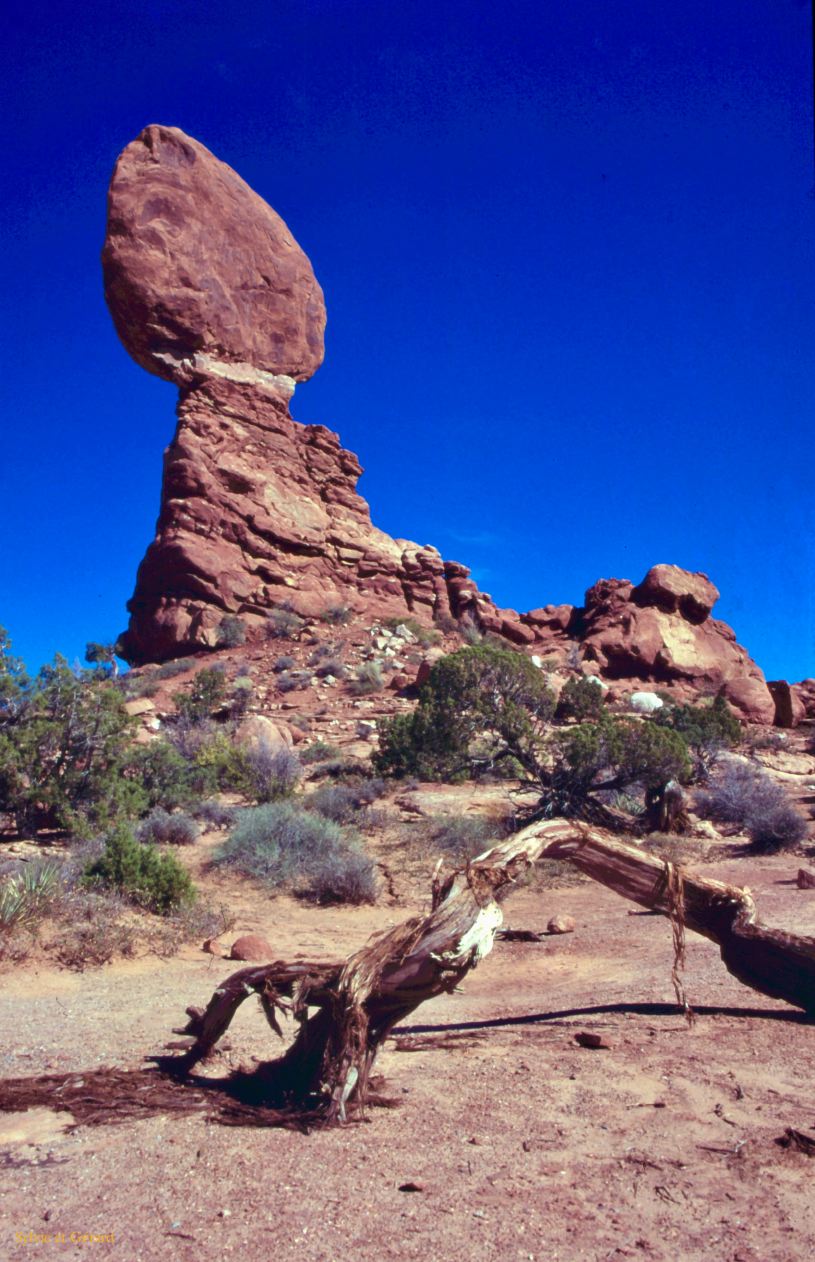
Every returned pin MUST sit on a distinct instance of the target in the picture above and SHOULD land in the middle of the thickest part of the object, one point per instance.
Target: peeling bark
(358, 1003)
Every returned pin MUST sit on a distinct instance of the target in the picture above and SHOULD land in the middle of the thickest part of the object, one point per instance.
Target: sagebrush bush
(231, 632)
(320, 751)
(162, 828)
(289, 680)
(464, 836)
(140, 873)
(215, 814)
(286, 846)
(271, 773)
(367, 680)
(747, 796)
(283, 624)
(284, 662)
(346, 803)
(169, 670)
(336, 615)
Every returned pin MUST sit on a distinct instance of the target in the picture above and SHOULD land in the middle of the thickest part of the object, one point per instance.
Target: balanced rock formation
(208, 288)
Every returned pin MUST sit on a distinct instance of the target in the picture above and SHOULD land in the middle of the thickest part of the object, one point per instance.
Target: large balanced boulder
(197, 267)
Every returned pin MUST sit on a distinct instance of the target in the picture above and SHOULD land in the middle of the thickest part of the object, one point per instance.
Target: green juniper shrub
(161, 772)
(240, 696)
(477, 694)
(579, 699)
(63, 739)
(165, 828)
(140, 873)
(231, 632)
(367, 680)
(205, 695)
(485, 707)
(707, 729)
(285, 846)
(612, 755)
(103, 656)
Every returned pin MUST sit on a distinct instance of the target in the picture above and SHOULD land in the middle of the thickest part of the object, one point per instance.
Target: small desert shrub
(171, 669)
(231, 633)
(96, 927)
(425, 636)
(213, 814)
(205, 695)
(283, 624)
(271, 773)
(240, 696)
(284, 845)
(464, 836)
(579, 699)
(368, 680)
(331, 666)
(289, 680)
(143, 685)
(140, 873)
(320, 751)
(346, 803)
(219, 766)
(26, 896)
(745, 795)
(284, 662)
(336, 615)
(162, 828)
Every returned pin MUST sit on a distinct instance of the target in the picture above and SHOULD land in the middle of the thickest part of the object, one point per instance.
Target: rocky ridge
(208, 289)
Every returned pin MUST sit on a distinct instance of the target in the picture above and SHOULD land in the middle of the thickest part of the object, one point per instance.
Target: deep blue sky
(568, 256)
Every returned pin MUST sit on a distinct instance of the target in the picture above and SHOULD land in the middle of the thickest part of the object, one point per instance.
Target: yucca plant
(24, 897)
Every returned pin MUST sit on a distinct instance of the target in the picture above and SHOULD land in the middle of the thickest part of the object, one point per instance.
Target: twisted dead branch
(346, 1010)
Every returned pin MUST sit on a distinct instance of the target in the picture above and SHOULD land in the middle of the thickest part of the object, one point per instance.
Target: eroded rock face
(208, 288)
(661, 632)
(200, 273)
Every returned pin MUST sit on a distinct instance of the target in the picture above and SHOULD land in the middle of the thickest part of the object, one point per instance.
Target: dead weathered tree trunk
(347, 1010)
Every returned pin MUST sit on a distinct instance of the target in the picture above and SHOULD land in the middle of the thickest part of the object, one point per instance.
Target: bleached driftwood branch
(355, 1005)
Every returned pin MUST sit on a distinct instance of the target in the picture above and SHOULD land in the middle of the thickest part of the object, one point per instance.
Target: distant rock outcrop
(208, 289)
